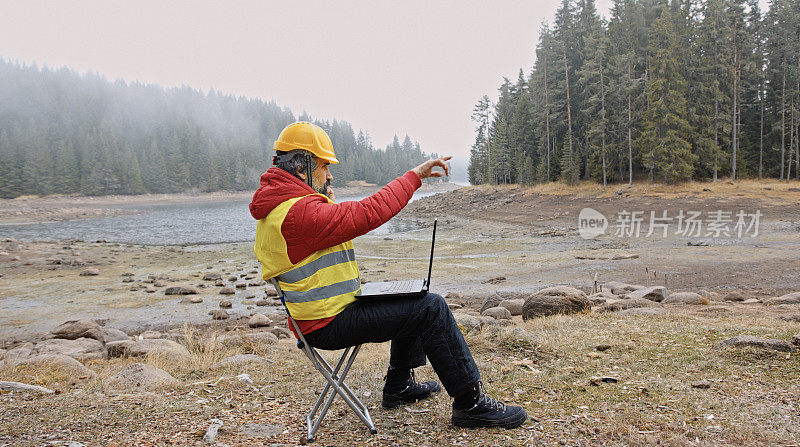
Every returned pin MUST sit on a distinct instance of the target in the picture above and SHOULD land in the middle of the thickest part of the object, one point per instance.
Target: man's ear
(301, 173)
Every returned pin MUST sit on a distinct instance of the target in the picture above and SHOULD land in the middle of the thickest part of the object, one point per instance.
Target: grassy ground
(753, 398)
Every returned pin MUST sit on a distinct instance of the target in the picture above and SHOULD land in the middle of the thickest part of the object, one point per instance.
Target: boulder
(742, 341)
(219, 314)
(486, 320)
(490, 301)
(655, 293)
(620, 288)
(796, 340)
(180, 290)
(191, 300)
(139, 376)
(514, 305)
(111, 334)
(734, 296)
(146, 347)
(212, 276)
(239, 360)
(789, 298)
(18, 354)
(467, 323)
(498, 313)
(81, 349)
(600, 298)
(706, 294)
(644, 311)
(259, 320)
(262, 303)
(633, 303)
(75, 329)
(225, 304)
(453, 296)
(555, 300)
(91, 271)
(58, 362)
(227, 291)
(684, 298)
(281, 333)
(150, 335)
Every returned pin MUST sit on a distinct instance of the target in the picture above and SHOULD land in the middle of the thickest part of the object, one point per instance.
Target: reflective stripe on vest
(324, 292)
(328, 260)
(319, 286)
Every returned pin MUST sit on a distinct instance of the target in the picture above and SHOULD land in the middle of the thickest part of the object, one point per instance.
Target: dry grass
(754, 398)
(748, 188)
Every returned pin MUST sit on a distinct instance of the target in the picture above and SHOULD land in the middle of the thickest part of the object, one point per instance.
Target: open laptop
(399, 289)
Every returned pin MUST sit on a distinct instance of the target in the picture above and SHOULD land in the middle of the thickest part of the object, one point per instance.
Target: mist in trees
(662, 90)
(67, 133)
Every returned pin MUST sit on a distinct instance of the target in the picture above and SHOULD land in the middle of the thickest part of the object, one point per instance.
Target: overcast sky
(414, 67)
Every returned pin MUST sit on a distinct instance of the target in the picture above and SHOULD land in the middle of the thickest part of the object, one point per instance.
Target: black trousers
(417, 327)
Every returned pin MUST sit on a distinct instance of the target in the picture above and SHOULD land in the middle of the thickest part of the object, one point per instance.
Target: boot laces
(487, 401)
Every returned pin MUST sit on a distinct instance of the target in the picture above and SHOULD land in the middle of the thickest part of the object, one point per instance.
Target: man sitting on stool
(304, 239)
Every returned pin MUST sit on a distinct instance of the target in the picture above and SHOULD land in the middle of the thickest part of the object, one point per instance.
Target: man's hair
(298, 161)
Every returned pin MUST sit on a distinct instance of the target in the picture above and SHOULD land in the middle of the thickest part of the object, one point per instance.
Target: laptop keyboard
(399, 286)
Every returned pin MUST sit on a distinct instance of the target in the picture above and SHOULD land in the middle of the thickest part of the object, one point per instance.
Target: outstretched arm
(314, 224)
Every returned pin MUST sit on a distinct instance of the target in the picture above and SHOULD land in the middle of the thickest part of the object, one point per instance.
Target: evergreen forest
(662, 91)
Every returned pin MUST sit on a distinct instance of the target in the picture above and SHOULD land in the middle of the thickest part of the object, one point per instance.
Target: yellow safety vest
(319, 286)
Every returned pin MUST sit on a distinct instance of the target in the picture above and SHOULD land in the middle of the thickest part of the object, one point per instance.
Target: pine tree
(592, 83)
(666, 150)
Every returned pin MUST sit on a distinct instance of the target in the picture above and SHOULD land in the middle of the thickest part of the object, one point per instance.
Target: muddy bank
(522, 240)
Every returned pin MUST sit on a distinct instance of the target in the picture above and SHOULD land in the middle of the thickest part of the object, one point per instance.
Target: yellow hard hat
(306, 136)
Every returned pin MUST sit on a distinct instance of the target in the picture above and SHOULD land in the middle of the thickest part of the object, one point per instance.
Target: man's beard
(323, 189)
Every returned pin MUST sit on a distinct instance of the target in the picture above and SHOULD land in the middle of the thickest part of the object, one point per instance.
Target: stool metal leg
(341, 389)
(333, 378)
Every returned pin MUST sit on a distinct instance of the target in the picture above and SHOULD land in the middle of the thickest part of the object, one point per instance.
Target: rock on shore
(555, 300)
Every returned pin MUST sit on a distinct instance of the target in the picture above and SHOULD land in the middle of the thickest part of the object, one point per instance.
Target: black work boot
(487, 412)
(402, 388)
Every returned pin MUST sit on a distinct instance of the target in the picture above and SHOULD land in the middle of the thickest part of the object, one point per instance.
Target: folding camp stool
(332, 376)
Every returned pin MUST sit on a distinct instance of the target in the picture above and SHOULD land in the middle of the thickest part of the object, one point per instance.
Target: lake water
(170, 224)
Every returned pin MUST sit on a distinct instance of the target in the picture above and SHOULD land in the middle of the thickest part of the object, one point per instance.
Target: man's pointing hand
(425, 170)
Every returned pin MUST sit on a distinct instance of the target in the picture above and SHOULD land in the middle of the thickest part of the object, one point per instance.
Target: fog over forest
(69, 133)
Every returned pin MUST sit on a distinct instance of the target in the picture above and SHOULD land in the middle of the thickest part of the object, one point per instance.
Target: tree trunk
(652, 159)
(761, 129)
(716, 137)
(630, 143)
(783, 120)
(603, 118)
(791, 143)
(797, 128)
(547, 115)
(761, 101)
(735, 98)
(569, 117)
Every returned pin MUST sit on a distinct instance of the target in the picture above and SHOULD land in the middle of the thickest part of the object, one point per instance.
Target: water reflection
(169, 224)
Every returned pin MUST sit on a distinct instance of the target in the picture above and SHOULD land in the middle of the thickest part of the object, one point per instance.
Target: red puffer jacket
(313, 224)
